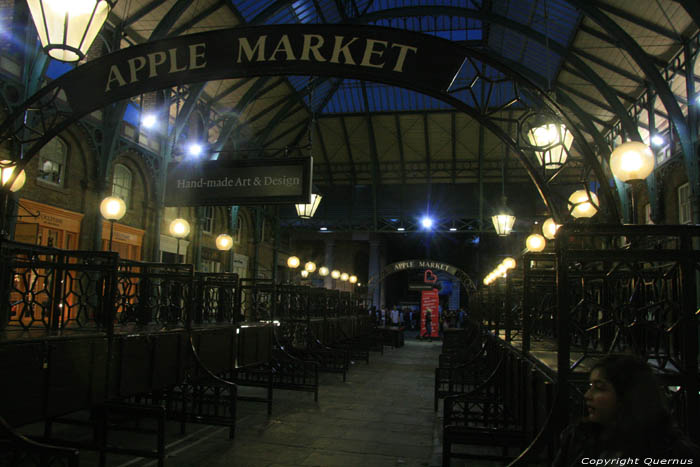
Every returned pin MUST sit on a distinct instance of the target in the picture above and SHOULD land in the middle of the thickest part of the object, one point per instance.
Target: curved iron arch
(54, 120)
(412, 264)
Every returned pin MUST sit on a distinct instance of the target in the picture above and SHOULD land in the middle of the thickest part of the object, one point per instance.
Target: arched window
(52, 162)
(121, 183)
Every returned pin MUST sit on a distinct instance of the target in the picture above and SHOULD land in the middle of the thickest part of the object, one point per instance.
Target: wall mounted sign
(226, 183)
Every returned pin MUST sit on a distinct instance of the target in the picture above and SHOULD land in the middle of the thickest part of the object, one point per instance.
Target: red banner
(429, 307)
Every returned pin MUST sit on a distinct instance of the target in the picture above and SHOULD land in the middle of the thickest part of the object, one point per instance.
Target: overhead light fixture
(426, 222)
(323, 229)
(453, 229)
(224, 242)
(509, 263)
(323, 271)
(535, 243)
(549, 229)
(353, 279)
(194, 149)
(179, 228)
(632, 161)
(293, 262)
(581, 205)
(7, 168)
(657, 140)
(335, 274)
(307, 210)
(400, 229)
(304, 273)
(67, 28)
(310, 266)
(551, 143)
(149, 121)
(344, 276)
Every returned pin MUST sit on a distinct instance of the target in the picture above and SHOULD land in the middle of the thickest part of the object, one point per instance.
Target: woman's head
(624, 391)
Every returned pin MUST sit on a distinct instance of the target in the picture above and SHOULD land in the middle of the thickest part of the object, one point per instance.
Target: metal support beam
(660, 85)
(319, 137)
(373, 152)
(399, 139)
(349, 148)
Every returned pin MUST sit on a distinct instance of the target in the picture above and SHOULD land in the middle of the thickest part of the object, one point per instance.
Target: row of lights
(294, 262)
(629, 161)
(500, 271)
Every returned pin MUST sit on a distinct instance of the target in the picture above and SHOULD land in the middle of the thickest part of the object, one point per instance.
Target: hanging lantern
(535, 243)
(344, 276)
(632, 161)
(307, 211)
(353, 279)
(335, 274)
(503, 221)
(323, 271)
(509, 263)
(580, 205)
(310, 267)
(293, 262)
(67, 28)
(549, 229)
(551, 143)
(6, 170)
(304, 273)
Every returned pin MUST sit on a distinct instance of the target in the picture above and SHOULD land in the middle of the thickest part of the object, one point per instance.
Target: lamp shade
(632, 161)
(535, 242)
(503, 222)
(179, 228)
(112, 208)
(67, 28)
(353, 279)
(580, 205)
(6, 170)
(224, 242)
(344, 276)
(323, 271)
(310, 266)
(304, 273)
(307, 211)
(549, 229)
(335, 274)
(551, 143)
(293, 262)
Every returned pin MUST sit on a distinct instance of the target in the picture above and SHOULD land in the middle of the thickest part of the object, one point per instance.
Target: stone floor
(382, 416)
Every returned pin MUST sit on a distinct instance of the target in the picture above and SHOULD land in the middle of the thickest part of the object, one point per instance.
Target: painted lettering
(370, 50)
(403, 51)
(135, 65)
(173, 62)
(283, 46)
(309, 46)
(154, 61)
(197, 52)
(114, 75)
(244, 47)
(340, 48)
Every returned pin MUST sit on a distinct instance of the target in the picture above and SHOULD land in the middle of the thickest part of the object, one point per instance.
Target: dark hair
(642, 413)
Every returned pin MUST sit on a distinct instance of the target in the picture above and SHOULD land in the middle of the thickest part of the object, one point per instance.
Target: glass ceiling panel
(382, 98)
